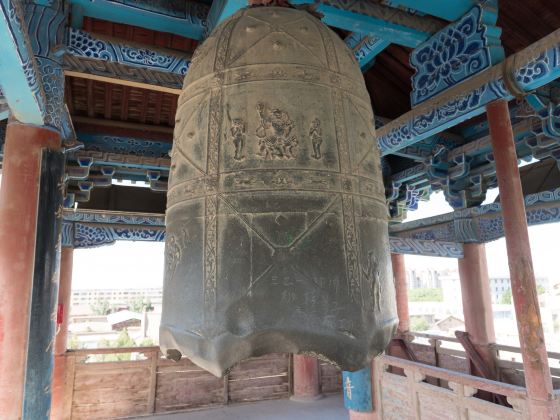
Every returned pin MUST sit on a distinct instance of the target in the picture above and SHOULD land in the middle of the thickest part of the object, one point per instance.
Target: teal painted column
(45, 25)
(44, 293)
(358, 394)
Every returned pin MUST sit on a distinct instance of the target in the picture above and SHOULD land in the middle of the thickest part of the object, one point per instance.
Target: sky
(544, 239)
(140, 264)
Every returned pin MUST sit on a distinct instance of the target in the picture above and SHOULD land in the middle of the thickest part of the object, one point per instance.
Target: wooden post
(523, 285)
(477, 304)
(226, 389)
(399, 273)
(69, 386)
(61, 338)
(151, 406)
(306, 378)
(18, 227)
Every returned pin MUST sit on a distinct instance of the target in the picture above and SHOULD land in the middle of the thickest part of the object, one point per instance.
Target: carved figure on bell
(237, 131)
(274, 132)
(316, 138)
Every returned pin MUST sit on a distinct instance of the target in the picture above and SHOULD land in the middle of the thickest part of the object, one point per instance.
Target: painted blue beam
(114, 217)
(368, 18)
(534, 67)
(45, 26)
(478, 224)
(188, 21)
(221, 10)
(124, 145)
(91, 235)
(19, 74)
(451, 10)
(84, 44)
(365, 48)
(425, 247)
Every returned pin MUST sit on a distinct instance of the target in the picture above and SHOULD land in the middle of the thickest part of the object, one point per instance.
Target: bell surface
(276, 219)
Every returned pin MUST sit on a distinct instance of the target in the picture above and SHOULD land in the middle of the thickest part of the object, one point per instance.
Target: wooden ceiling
(101, 100)
(522, 21)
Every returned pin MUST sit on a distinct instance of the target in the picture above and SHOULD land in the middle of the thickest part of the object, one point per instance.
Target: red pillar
(399, 273)
(61, 339)
(477, 303)
(306, 378)
(523, 286)
(18, 223)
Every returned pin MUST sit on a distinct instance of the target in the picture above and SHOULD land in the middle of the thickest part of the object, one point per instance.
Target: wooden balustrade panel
(261, 378)
(395, 397)
(108, 390)
(331, 378)
(454, 363)
(410, 397)
(111, 389)
(183, 385)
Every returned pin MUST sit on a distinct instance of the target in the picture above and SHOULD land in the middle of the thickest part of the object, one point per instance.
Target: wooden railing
(446, 352)
(439, 383)
(411, 396)
(99, 389)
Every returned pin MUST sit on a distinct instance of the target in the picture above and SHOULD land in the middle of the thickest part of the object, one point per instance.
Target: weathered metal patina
(276, 219)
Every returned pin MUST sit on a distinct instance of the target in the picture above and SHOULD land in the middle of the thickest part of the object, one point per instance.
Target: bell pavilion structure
(102, 141)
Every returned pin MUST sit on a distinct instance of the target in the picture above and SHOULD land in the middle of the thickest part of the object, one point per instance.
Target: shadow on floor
(328, 408)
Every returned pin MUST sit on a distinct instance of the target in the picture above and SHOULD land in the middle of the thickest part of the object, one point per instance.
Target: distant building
(124, 319)
(115, 297)
(501, 285)
(424, 279)
(450, 324)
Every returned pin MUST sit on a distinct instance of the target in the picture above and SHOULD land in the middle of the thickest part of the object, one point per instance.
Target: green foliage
(425, 295)
(507, 299)
(123, 340)
(101, 307)
(138, 305)
(147, 342)
(417, 323)
(74, 344)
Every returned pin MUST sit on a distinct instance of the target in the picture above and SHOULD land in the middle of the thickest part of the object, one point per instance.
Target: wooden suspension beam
(122, 124)
(102, 76)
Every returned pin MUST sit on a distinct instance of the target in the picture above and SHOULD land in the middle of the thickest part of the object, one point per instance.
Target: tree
(141, 304)
(147, 342)
(417, 323)
(123, 340)
(74, 343)
(506, 297)
(101, 307)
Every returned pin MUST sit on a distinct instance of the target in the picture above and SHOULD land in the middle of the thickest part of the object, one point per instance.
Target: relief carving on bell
(276, 219)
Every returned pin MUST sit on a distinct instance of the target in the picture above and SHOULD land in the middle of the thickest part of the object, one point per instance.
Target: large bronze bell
(276, 219)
